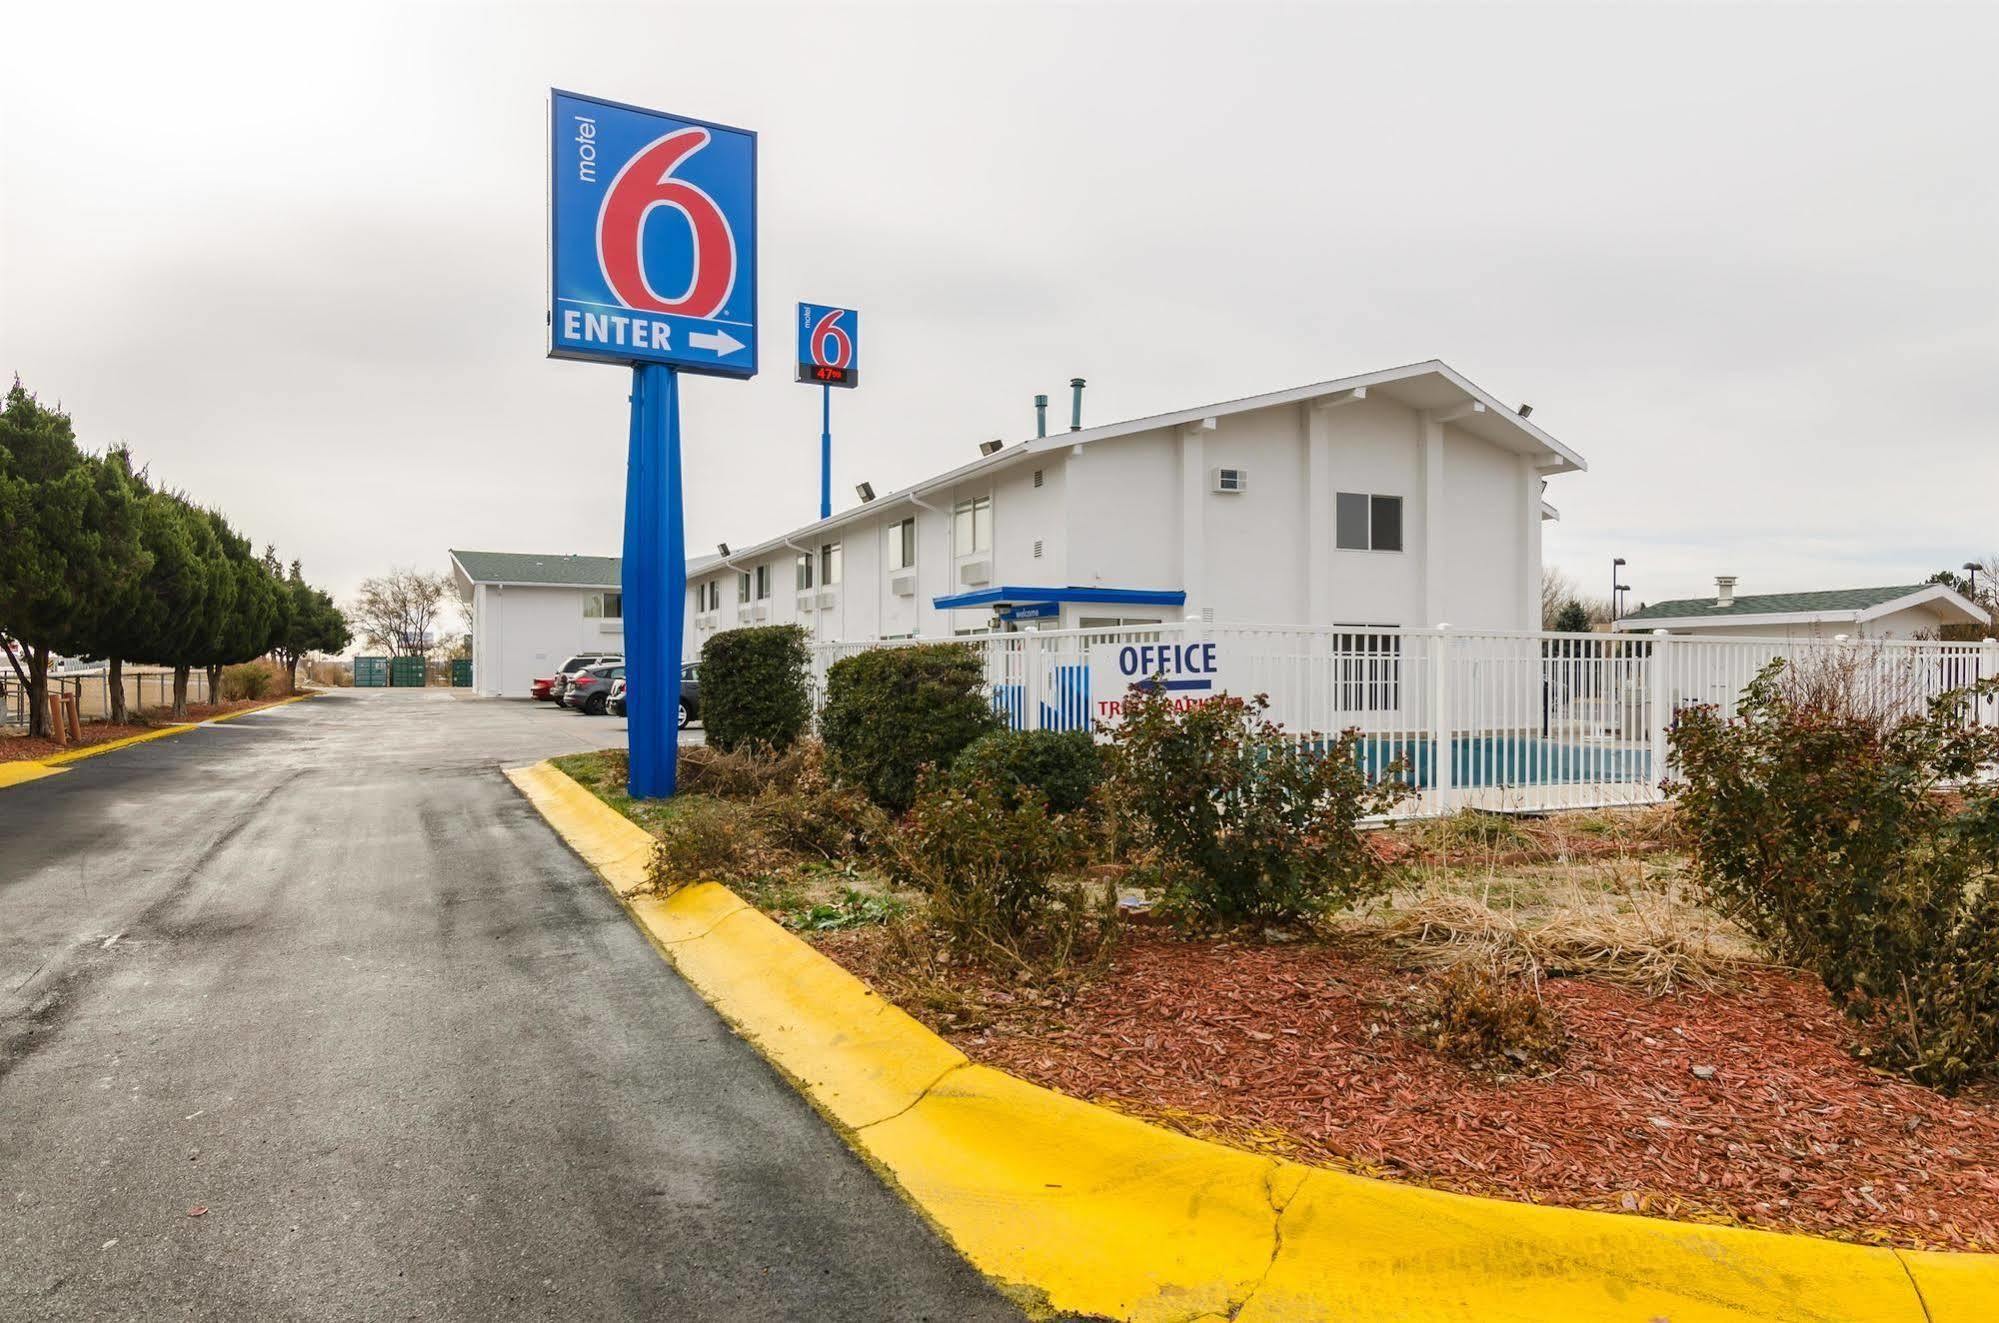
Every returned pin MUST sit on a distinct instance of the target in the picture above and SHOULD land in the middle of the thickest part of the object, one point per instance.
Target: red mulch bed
(1306, 1049)
(17, 748)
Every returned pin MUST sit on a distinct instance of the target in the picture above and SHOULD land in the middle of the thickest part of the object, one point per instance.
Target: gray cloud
(1740, 257)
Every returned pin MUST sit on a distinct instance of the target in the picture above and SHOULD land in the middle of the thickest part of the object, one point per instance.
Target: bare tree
(1559, 590)
(398, 611)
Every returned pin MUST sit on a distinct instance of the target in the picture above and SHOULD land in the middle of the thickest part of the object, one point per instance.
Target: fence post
(1659, 702)
(1988, 667)
(1441, 771)
(1032, 681)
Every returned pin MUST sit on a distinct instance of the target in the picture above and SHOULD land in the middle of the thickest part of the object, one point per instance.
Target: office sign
(652, 238)
(1190, 674)
(829, 345)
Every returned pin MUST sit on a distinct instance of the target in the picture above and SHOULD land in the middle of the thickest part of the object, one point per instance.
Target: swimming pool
(1509, 760)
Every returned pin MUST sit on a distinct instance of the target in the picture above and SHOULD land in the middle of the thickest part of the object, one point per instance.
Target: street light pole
(1616, 564)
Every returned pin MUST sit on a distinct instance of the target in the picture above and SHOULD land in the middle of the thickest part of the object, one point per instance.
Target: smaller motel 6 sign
(652, 223)
(1190, 673)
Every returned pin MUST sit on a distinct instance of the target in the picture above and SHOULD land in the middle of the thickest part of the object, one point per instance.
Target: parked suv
(590, 688)
(559, 689)
(690, 695)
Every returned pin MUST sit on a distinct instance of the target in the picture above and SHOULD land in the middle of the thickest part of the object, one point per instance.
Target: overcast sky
(1744, 259)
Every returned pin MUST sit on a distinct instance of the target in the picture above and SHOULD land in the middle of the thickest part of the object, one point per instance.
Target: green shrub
(1476, 1014)
(1242, 826)
(1816, 819)
(1061, 767)
(892, 711)
(249, 680)
(753, 687)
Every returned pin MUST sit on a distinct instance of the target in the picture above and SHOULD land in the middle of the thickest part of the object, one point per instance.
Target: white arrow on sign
(720, 341)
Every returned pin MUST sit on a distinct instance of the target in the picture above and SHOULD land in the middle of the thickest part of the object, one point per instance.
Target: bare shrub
(1479, 1015)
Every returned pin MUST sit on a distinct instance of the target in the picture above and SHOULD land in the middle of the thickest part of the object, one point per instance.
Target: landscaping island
(1547, 1010)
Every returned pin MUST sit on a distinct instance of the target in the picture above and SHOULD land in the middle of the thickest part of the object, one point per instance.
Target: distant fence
(145, 687)
(1509, 721)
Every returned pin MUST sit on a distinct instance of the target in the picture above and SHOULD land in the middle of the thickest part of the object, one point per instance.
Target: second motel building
(1406, 497)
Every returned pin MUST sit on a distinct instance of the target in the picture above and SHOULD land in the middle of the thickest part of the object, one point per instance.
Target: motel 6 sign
(829, 345)
(652, 252)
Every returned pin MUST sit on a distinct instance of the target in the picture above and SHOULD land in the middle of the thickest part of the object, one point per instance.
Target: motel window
(763, 582)
(975, 526)
(743, 587)
(1367, 671)
(1114, 622)
(902, 544)
(829, 564)
(604, 606)
(804, 570)
(1364, 522)
(708, 596)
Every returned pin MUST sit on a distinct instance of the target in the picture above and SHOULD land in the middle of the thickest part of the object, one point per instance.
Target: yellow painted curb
(1077, 1209)
(19, 773)
(24, 771)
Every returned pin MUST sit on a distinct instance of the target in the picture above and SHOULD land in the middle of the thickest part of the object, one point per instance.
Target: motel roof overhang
(1431, 387)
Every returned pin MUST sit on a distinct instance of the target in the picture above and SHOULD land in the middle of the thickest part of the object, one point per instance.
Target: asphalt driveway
(309, 1015)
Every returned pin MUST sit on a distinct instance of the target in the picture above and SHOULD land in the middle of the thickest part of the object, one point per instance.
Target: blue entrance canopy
(1011, 595)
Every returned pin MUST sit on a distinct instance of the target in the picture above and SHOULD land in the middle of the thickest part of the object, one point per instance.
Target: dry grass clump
(1472, 838)
(1619, 922)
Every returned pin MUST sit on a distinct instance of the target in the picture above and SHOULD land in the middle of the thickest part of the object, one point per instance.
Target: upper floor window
(604, 606)
(1365, 522)
(829, 564)
(902, 544)
(743, 587)
(975, 526)
(708, 596)
(804, 570)
(763, 582)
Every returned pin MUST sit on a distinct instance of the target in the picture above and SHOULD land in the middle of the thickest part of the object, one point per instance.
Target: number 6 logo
(646, 182)
(831, 345)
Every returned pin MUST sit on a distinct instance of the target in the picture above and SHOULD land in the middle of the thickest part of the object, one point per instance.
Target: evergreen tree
(69, 541)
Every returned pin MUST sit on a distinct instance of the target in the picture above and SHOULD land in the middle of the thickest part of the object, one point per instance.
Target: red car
(539, 689)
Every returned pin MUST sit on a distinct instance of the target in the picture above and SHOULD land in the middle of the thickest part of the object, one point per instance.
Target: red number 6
(645, 182)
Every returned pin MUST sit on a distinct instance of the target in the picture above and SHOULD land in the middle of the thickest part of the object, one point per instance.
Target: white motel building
(1404, 497)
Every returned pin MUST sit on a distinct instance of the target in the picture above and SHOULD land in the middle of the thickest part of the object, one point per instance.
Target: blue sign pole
(825, 452)
(652, 229)
(655, 581)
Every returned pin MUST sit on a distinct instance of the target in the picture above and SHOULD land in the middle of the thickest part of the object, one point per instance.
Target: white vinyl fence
(1474, 719)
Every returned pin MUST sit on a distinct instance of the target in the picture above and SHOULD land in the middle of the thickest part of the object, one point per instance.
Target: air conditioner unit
(808, 601)
(1229, 480)
(975, 571)
(828, 599)
(760, 611)
(903, 583)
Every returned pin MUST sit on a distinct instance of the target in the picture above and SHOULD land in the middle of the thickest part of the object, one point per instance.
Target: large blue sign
(829, 345)
(652, 238)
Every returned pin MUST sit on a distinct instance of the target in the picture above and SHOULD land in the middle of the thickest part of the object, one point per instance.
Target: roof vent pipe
(1724, 590)
(1526, 411)
(1076, 404)
(1040, 416)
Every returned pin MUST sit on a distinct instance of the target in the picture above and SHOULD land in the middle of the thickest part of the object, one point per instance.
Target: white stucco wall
(521, 634)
